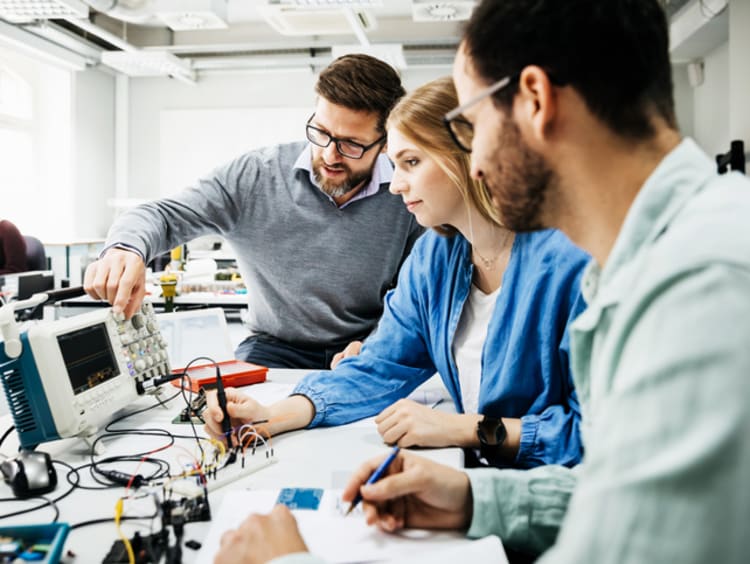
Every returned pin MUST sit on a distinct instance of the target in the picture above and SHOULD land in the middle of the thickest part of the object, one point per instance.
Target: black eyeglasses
(461, 129)
(346, 148)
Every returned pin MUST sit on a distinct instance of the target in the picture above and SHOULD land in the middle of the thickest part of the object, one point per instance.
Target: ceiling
(185, 38)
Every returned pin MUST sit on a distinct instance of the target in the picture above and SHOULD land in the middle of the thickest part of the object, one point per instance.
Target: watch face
(491, 431)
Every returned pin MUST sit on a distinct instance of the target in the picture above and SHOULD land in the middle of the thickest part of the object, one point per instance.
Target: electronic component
(146, 549)
(65, 378)
(300, 498)
(194, 410)
(186, 510)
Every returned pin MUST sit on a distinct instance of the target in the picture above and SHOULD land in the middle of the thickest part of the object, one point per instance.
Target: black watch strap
(491, 432)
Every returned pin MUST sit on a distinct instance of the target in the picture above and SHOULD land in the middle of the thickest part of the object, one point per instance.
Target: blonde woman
(486, 308)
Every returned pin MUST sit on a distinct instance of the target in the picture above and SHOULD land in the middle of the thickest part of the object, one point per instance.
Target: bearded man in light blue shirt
(574, 128)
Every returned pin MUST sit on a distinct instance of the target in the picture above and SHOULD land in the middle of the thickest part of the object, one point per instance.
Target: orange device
(234, 373)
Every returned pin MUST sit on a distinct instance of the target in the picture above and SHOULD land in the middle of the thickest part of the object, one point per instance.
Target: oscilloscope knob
(137, 321)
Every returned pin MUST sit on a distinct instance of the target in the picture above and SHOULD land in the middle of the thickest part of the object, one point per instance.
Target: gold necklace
(487, 263)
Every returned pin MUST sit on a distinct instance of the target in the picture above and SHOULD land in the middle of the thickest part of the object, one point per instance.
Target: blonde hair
(419, 117)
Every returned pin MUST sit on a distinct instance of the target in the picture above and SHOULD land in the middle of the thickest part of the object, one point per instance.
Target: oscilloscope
(66, 378)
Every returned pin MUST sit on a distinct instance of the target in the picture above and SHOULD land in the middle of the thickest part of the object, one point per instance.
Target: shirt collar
(382, 173)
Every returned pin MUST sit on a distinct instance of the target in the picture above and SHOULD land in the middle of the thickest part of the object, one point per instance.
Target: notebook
(204, 332)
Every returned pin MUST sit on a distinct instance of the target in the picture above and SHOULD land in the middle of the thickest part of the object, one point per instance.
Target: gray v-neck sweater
(316, 274)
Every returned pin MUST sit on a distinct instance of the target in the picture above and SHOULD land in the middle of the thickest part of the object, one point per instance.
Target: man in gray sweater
(318, 237)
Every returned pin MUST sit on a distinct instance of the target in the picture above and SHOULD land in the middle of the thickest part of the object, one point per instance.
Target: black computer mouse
(30, 473)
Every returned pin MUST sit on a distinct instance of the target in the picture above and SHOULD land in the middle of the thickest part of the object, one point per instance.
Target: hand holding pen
(411, 492)
(375, 476)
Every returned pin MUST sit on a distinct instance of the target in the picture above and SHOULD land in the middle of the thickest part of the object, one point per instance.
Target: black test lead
(226, 424)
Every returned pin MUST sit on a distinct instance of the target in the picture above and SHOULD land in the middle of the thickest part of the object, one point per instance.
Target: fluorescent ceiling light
(290, 19)
(148, 63)
(31, 44)
(18, 11)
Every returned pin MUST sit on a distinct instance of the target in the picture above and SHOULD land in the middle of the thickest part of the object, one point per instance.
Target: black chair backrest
(36, 257)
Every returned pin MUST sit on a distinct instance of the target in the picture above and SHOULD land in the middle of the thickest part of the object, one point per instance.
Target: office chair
(36, 257)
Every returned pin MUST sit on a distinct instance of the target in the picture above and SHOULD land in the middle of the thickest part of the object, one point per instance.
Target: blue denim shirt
(525, 361)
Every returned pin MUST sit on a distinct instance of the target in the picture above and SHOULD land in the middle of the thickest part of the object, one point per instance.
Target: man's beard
(341, 188)
(520, 181)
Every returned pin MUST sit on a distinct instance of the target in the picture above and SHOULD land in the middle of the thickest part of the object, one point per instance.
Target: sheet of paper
(335, 537)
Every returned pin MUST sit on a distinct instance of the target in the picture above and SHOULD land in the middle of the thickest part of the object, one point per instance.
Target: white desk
(320, 458)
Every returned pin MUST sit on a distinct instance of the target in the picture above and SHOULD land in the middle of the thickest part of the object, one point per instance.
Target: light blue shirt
(661, 361)
(382, 173)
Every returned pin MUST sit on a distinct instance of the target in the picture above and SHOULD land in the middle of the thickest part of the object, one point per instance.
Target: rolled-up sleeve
(392, 363)
(523, 507)
(551, 437)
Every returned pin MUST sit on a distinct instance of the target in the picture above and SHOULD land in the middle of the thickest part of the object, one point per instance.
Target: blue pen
(375, 476)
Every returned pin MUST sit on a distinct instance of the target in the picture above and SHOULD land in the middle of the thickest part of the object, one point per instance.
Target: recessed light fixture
(428, 11)
(185, 15)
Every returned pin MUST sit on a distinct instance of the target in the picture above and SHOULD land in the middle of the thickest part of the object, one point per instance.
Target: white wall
(721, 111)
(711, 103)
(93, 152)
(40, 201)
(739, 64)
(684, 100)
(156, 101)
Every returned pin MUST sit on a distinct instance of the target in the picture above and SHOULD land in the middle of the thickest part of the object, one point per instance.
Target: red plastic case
(234, 373)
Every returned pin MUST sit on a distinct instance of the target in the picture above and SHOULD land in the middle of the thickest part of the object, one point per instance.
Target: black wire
(6, 434)
(189, 398)
(162, 466)
(111, 520)
(136, 412)
(47, 502)
(50, 502)
(73, 486)
(111, 432)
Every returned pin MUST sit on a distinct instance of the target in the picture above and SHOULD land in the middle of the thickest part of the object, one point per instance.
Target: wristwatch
(491, 432)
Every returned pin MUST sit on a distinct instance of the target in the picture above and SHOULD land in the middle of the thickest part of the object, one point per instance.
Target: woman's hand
(407, 423)
(241, 408)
